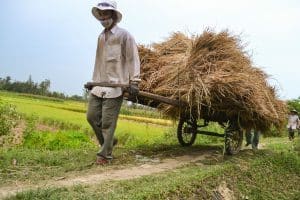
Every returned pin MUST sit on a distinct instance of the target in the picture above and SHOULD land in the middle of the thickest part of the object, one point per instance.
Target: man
(293, 123)
(117, 61)
(252, 137)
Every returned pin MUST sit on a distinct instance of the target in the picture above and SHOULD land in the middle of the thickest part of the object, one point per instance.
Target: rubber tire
(180, 133)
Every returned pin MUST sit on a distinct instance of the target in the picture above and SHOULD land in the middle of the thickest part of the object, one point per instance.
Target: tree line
(43, 88)
(31, 87)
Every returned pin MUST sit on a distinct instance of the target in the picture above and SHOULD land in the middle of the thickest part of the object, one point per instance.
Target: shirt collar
(112, 30)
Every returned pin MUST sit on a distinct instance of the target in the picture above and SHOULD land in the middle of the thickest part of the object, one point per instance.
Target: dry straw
(214, 76)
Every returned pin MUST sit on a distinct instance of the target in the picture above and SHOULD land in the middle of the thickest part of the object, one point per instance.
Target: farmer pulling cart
(188, 125)
(207, 78)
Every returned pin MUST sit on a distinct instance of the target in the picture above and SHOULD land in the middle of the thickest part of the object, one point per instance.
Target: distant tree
(44, 87)
(76, 98)
(2, 83)
(7, 80)
(30, 81)
(85, 95)
(58, 95)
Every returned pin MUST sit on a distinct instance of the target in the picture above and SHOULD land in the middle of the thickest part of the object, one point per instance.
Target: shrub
(8, 118)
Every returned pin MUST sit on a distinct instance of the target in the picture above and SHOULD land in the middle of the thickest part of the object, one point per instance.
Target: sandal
(102, 161)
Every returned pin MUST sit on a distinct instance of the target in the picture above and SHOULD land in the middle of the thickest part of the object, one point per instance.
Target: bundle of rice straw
(214, 76)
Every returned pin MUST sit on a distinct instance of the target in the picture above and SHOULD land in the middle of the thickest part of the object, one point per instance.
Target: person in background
(252, 137)
(117, 62)
(293, 123)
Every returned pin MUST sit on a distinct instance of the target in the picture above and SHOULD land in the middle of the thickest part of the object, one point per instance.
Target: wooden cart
(189, 126)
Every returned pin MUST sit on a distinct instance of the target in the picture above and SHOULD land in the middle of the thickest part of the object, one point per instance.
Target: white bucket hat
(107, 5)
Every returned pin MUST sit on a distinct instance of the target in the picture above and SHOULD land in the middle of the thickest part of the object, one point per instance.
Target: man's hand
(88, 86)
(133, 89)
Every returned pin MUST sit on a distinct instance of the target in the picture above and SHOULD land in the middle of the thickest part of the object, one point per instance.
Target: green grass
(70, 148)
(40, 164)
(266, 174)
(131, 131)
(155, 187)
(57, 141)
(70, 105)
(32, 96)
(47, 155)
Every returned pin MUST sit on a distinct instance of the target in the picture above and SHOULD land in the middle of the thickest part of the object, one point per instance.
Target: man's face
(105, 14)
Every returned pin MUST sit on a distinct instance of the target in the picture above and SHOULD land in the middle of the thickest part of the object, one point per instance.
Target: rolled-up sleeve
(132, 60)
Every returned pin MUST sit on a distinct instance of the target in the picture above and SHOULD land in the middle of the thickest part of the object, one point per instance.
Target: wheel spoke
(186, 132)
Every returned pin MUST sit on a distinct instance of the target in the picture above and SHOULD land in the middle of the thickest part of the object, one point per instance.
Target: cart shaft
(142, 94)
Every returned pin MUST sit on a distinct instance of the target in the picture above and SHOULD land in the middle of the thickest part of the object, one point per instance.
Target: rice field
(68, 142)
(132, 129)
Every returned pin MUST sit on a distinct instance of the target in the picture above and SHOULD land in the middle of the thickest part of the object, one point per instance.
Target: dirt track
(114, 174)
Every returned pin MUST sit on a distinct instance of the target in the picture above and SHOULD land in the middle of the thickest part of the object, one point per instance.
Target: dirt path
(115, 174)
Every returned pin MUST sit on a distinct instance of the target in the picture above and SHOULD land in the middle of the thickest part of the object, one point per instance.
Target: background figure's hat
(294, 110)
(107, 5)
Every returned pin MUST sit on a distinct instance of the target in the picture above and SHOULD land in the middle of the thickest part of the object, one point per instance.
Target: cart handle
(143, 94)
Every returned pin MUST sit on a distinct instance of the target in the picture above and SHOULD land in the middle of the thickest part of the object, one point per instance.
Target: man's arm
(96, 73)
(132, 60)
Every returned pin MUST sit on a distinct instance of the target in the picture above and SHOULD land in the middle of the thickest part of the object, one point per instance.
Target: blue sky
(56, 39)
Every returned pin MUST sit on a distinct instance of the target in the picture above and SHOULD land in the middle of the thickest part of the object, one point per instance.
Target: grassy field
(273, 173)
(69, 145)
(57, 141)
(71, 114)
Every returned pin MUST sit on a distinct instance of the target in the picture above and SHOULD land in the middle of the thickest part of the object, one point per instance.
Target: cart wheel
(233, 140)
(186, 132)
